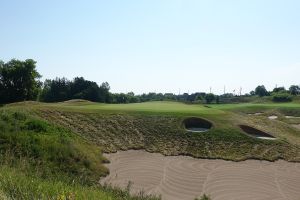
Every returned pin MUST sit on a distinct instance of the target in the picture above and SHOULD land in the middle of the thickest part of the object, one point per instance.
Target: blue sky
(158, 45)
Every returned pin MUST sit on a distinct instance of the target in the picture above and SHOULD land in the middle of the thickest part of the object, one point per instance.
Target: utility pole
(224, 89)
(209, 89)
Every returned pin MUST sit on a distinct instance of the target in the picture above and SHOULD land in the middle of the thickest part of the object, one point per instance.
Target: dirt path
(181, 177)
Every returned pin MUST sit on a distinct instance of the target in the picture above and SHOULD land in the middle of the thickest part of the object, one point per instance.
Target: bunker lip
(253, 132)
(196, 124)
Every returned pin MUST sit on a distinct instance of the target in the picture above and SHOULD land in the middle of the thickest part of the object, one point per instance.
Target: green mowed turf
(174, 107)
(148, 107)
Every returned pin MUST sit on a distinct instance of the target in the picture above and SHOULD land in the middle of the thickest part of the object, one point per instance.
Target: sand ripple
(184, 177)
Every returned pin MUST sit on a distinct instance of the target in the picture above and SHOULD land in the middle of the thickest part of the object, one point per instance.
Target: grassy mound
(157, 127)
(40, 160)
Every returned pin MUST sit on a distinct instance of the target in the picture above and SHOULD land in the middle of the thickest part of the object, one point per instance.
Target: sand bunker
(195, 124)
(256, 133)
(184, 178)
(273, 117)
(258, 113)
(291, 117)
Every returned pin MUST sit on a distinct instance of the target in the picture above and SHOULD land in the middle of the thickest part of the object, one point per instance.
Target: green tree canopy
(61, 89)
(261, 91)
(56, 90)
(84, 89)
(294, 90)
(209, 97)
(19, 81)
(278, 89)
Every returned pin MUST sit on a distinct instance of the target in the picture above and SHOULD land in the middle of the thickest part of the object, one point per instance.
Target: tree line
(278, 94)
(20, 81)
(62, 89)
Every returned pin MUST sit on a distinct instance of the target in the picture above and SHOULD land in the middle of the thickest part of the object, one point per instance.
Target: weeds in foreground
(42, 161)
(16, 185)
(203, 197)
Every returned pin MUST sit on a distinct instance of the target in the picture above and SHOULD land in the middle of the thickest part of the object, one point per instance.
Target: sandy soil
(291, 117)
(197, 130)
(258, 113)
(181, 177)
(273, 117)
(266, 138)
(296, 126)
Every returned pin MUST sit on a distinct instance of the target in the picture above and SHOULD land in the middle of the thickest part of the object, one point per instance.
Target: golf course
(150, 100)
(74, 149)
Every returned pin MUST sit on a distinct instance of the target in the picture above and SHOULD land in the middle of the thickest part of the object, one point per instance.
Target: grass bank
(157, 127)
(40, 160)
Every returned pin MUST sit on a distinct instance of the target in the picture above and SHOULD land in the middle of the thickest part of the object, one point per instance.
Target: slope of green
(157, 127)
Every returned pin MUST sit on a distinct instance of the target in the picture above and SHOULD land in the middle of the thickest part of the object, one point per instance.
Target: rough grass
(49, 147)
(40, 160)
(16, 185)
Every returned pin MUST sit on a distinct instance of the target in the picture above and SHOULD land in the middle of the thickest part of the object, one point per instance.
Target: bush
(281, 97)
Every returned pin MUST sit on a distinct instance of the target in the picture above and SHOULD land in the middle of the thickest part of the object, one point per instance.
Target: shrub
(281, 97)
